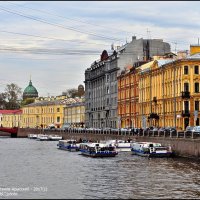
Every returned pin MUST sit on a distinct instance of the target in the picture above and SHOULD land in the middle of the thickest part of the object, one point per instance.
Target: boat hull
(98, 154)
(151, 155)
(68, 148)
(55, 139)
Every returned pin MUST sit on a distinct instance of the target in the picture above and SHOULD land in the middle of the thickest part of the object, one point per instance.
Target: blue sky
(54, 42)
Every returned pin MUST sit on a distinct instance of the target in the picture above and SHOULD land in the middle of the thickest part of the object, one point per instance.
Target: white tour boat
(42, 137)
(32, 136)
(121, 145)
(55, 137)
(97, 150)
(151, 149)
(69, 145)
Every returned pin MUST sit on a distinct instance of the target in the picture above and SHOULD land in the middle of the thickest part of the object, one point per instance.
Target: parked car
(190, 129)
(197, 129)
(153, 129)
(171, 129)
(161, 130)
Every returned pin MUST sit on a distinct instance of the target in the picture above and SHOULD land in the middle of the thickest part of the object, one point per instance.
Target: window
(186, 105)
(186, 87)
(196, 69)
(196, 105)
(58, 109)
(58, 119)
(107, 101)
(196, 88)
(185, 69)
(108, 90)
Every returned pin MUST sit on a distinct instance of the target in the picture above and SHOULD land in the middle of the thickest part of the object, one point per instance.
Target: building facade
(128, 95)
(74, 114)
(169, 92)
(101, 89)
(10, 118)
(42, 113)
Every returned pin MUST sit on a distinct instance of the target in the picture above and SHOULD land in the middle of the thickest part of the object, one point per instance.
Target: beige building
(10, 118)
(74, 113)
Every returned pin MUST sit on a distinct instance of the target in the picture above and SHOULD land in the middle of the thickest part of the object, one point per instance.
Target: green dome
(30, 91)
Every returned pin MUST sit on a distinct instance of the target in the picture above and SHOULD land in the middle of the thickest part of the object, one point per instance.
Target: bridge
(13, 131)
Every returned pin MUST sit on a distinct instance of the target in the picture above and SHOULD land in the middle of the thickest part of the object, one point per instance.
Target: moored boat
(151, 149)
(69, 145)
(98, 150)
(121, 145)
(55, 137)
(42, 137)
(32, 136)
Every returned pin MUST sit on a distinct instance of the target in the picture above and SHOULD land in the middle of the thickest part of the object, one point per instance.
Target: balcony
(185, 95)
(185, 113)
(153, 116)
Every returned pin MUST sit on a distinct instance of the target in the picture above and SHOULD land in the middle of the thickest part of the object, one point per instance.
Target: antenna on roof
(148, 34)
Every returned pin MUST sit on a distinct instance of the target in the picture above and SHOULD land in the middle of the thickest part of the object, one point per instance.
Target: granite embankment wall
(184, 147)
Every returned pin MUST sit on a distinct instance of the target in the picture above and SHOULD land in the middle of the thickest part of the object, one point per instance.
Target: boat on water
(97, 150)
(69, 145)
(55, 137)
(32, 136)
(151, 149)
(121, 145)
(42, 137)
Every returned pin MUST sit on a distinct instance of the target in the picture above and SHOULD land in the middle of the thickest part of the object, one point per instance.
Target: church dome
(30, 91)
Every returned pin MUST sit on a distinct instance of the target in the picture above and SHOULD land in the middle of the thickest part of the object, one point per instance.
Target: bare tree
(13, 96)
(2, 101)
(71, 92)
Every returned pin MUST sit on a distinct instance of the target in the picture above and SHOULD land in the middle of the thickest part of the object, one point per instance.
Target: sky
(54, 42)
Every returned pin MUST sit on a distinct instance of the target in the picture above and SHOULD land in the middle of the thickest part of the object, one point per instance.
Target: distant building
(10, 118)
(42, 113)
(74, 113)
(101, 79)
(30, 91)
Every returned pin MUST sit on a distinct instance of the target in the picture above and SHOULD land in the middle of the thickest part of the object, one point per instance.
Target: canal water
(37, 169)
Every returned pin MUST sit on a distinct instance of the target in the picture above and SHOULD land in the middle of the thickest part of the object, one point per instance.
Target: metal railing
(139, 133)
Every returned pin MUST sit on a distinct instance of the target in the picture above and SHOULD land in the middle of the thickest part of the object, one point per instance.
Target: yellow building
(74, 113)
(169, 92)
(10, 118)
(42, 113)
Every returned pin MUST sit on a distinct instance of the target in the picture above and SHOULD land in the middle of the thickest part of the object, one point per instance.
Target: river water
(37, 169)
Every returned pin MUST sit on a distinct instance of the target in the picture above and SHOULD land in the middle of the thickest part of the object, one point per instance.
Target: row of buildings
(139, 84)
(46, 111)
(143, 84)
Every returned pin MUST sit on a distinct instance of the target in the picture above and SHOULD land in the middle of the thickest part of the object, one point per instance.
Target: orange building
(128, 95)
